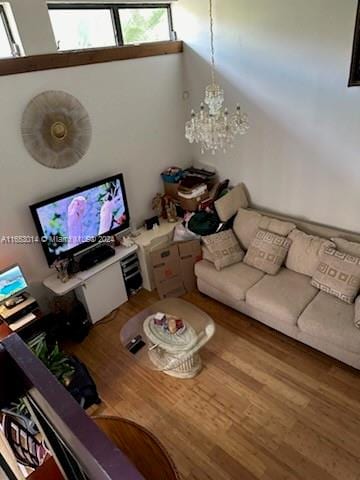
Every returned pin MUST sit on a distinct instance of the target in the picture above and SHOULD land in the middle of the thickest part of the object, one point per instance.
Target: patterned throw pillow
(248, 222)
(303, 256)
(267, 251)
(338, 274)
(224, 248)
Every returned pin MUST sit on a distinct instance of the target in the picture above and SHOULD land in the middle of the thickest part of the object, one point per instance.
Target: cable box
(10, 315)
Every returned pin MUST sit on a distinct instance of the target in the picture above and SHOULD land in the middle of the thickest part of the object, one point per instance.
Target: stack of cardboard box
(173, 268)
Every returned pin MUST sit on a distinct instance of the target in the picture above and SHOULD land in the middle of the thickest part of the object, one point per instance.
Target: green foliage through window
(144, 25)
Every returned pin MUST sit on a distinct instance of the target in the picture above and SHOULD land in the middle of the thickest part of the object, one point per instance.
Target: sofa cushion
(332, 320)
(248, 222)
(357, 312)
(224, 248)
(267, 251)
(338, 274)
(245, 226)
(227, 206)
(233, 281)
(351, 248)
(303, 256)
(284, 296)
(276, 226)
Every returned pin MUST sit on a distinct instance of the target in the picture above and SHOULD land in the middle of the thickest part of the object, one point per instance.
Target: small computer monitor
(12, 282)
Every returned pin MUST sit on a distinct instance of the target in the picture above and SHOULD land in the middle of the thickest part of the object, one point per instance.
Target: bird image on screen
(12, 282)
(69, 221)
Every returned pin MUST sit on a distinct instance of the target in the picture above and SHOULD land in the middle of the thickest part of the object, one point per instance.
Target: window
(6, 39)
(76, 29)
(355, 63)
(80, 26)
(144, 24)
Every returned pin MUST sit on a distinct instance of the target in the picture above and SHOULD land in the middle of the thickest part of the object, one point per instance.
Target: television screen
(12, 281)
(68, 222)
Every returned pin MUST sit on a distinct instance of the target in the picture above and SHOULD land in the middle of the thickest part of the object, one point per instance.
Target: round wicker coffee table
(174, 354)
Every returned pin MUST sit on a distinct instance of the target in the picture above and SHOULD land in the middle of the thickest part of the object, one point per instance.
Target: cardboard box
(173, 267)
(189, 252)
(171, 288)
(192, 204)
(165, 263)
(166, 270)
(171, 189)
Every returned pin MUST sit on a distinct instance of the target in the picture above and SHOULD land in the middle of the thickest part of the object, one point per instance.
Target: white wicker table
(174, 354)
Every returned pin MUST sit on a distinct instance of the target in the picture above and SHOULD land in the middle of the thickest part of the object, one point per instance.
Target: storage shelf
(54, 284)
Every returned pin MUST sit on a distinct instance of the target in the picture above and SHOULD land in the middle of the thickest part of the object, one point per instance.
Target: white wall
(136, 110)
(287, 63)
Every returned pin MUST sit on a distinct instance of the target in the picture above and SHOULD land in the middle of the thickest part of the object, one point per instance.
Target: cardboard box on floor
(173, 267)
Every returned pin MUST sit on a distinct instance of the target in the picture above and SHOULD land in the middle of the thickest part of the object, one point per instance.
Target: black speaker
(77, 325)
(68, 322)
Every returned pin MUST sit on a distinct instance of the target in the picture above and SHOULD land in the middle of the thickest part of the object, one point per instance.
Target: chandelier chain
(214, 127)
(212, 41)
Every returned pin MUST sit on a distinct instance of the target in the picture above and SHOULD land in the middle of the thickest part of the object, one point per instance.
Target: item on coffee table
(172, 325)
(169, 323)
(159, 319)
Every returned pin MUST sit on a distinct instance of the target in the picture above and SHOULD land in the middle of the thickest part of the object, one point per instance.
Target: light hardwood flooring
(264, 406)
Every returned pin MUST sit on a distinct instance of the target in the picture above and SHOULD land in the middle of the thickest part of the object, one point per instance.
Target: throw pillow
(303, 256)
(248, 222)
(267, 251)
(229, 204)
(338, 274)
(351, 248)
(224, 249)
(206, 254)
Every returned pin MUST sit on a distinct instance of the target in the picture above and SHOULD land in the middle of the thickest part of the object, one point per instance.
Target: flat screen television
(12, 282)
(70, 222)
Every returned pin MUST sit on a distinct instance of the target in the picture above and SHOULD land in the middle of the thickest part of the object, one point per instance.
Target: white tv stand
(100, 289)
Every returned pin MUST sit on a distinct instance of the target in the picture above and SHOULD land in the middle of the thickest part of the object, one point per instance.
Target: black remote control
(135, 344)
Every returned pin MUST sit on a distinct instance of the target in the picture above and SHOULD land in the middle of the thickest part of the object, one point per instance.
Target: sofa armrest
(357, 312)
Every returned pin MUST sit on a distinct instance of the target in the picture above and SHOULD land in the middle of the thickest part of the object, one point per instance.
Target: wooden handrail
(48, 470)
(93, 451)
(4, 330)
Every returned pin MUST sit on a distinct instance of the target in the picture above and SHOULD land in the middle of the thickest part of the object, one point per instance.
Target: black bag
(69, 321)
(82, 387)
(204, 223)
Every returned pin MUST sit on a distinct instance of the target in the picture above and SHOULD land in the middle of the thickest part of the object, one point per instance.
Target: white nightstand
(148, 241)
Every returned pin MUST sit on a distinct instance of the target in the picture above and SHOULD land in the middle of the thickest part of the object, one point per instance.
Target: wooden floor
(264, 407)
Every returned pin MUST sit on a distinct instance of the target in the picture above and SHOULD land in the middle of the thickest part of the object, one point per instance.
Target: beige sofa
(287, 301)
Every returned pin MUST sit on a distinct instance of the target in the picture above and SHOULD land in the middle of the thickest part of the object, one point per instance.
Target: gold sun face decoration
(56, 129)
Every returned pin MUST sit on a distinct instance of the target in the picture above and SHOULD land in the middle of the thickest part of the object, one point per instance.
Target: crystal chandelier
(214, 128)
